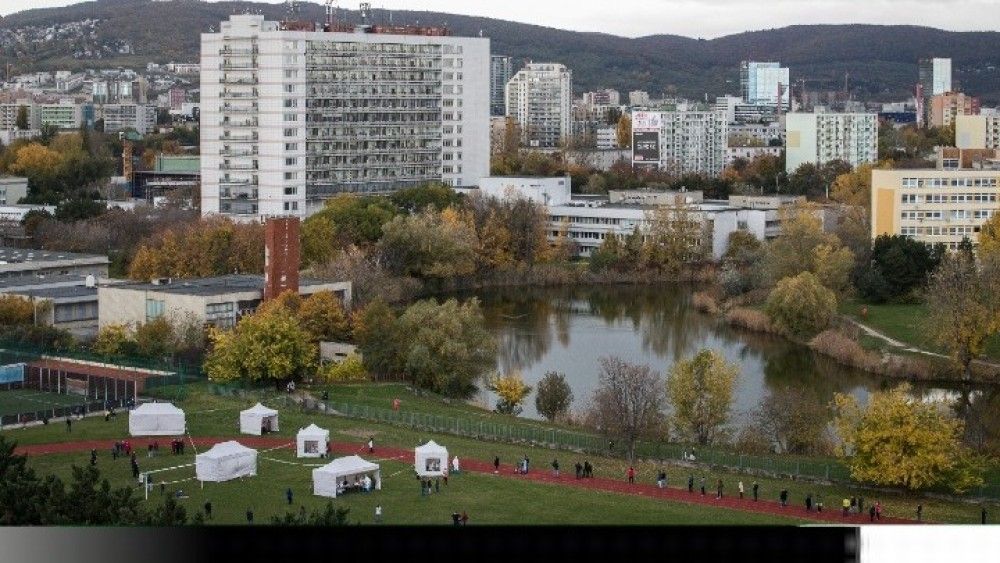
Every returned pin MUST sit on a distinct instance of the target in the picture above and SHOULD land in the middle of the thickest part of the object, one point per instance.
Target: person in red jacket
(631, 475)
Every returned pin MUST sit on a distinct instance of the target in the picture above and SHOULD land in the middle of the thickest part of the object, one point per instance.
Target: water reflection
(569, 329)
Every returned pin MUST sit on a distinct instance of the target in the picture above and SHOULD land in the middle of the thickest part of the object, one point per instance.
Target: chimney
(281, 256)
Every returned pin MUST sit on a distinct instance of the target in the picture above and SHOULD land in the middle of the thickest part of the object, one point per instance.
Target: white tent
(312, 441)
(253, 420)
(156, 419)
(431, 460)
(326, 478)
(225, 461)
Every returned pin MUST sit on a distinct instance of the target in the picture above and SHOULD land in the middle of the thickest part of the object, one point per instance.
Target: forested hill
(880, 61)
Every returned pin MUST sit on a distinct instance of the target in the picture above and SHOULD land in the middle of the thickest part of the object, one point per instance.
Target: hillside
(881, 60)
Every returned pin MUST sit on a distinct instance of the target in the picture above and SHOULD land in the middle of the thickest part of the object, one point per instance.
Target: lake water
(568, 329)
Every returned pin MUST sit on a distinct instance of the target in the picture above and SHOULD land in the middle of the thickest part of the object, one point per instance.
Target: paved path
(907, 347)
(672, 494)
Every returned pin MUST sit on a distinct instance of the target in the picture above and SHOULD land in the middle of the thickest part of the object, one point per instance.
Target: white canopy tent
(156, 419)
(312, 441)
(327, 478)
(225, 461)
(256, 418)
(431, 460)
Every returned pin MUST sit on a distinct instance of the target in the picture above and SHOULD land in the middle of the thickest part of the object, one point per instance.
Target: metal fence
(44, 415)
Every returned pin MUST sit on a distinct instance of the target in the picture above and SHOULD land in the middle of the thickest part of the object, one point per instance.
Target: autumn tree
(628, 401)
(989, 236)
(553, 396)
(623, 132)
(344, 221)
(854, 187)
(741, 271)
(114, 340)
(676, 237)
(795, 250)
(155, 339)
(15, 310)
(963, 302)
(511, 391)
(21, 122)
(210, 247)
(794, 420)
(322, 316)
(898, 440)
(266, 346)
(833, 267)
(430, 244)
(700, 392)
(801, 306)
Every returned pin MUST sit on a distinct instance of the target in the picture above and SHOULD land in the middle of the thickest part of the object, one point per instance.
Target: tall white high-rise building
(290, 118)
(540, 99)
(818, 138)
(760, 81)
(680, 141)
(501, 70)
(638, 98)
(934, 78)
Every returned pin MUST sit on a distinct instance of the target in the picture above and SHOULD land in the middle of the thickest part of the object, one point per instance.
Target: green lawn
(31, 400)
(906, 323)
(214, 415)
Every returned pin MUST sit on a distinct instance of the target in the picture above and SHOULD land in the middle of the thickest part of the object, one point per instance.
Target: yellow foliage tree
(902, 441)
(700, 391)
(494, 243)
(114, 340)
(854, 187)
(989, 236)
(511, 392)
(267, 346)
(833, 266)
(35, 159)
(211, 247)
(15, 310)
(322, 316)
(624, 132)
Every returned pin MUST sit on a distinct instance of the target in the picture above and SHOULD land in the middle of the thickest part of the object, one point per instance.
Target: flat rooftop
(76, 292)
(219, 285)
(34, 256)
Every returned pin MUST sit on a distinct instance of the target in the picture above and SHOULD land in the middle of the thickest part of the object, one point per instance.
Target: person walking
(588, 470)
(878, 510)
(920, 512)
(983, 515)
(208, 510)
(454, 465)
(288, 495)
(755, 486)
(579, 469)
(718, 488)
(371, 444)
(690, 483)
(93, 456)
(740, 486)
(135, 469)
(555, 467)
(496, 464)
(456, 518)
(69, 424)
(631, 475)
(809, 502)
(378, 514)
(847, 505)
(661, 479)
(784, 497)
(249, 516)
(854, 505)
(114, 453)
(702, 486)
(871, 513)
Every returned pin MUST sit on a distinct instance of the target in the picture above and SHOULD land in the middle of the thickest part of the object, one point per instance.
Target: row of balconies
(231, 51)
(239, 138)
(245, 123)
(239, 95)
(241, 166)
(234, 109)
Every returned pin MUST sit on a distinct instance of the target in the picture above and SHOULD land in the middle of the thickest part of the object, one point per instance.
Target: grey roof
(34, 256)
(77, 292)
(220, 285)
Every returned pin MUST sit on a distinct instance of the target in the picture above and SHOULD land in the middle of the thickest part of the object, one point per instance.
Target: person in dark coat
(690, 483)
(983, 515)
(784, 497)
(871, 513)
(496, 464)
(93, 456)
(920, 512)
(702, 486)
(809, 502)
(249, 516)
(288, 495)
(208, 510)
(755, 487)
(579, 469)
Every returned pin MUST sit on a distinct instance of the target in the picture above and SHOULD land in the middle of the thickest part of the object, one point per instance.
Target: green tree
(377, 333)
(700, 392)
(676, 237)
(345, 220)
(801, 306)
(628, 401)
(511, 392)
(446, 347)
(607, 255)
(897, 267)
(554, 396)
(266, 346)
(114, 340)
(434, 195)
(155, 339)
(21, 122)
(322, 316)
(430, 245)
(897, 440)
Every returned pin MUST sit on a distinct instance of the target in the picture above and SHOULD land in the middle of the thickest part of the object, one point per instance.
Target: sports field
(32, 400)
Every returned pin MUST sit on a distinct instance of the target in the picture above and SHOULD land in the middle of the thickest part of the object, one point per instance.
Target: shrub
(348, 371)
(750, 319)
(705, 303)
(801, 306)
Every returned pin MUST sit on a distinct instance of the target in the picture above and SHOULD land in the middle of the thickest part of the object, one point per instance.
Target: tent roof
(313, 430)
(226, 449)
(346, 465)
(259, 409)
(431, 447)
(157, 408)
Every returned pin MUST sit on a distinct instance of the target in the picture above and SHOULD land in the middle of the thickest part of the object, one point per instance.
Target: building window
(154, 309)
(291, 175)
(291, 191)
(291, 161)
(289, 132)
(291, 206)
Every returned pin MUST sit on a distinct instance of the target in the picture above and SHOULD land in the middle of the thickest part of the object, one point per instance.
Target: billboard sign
(13, 373)
(645, 146)
(647, 121)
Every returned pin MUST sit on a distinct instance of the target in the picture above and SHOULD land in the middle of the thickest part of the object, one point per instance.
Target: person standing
(69, 424)
(740, 486)
(631, 475)
(718, 488)
(755, 486)
(249, 516)
(208, 510)
(93, 456)
(378, 514)
(784, 497)
(690, 483)
(920, 512)
(455, 518)
(288, 495)
(878, 510)
(661, 479)
(983, 515)
(703, 485)
(135, 469)
(496, 464)
(847, 505)
(579, 469)
(454, 465)
(371, 444)
(809, 502)
(465, 518)
(872, 513)
(555, 467)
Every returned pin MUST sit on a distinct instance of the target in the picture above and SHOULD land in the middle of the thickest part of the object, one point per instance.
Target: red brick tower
(281, 256)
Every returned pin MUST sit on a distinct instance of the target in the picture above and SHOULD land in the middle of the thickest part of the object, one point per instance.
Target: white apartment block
(933, 206)
(750, 153)
(9, 113)
(119, 117)
(680, 141)
(818, 138)
(638, 98)
(606, 138)
(291, 118)
(760, 82)
(66, 115)
(608, 97)
(540, 98)
(977, 131)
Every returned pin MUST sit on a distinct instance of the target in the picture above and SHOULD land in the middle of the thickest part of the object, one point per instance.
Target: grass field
(490, 499)
(31, 400)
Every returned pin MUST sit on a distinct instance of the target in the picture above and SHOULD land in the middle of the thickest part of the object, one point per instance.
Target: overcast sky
(692, 18)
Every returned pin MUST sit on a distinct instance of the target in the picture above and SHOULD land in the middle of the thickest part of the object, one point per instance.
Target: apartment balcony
(229, 51)
(239, 138)
(238, 195)
(241, 152)
(241, 166)
(236, 124)
(237, 66)
(236, 182)
(253, 94)
(234, 109)
(239, 81)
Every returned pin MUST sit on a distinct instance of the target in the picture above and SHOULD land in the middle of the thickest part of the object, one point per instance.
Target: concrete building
(169, 173)
(945, 107)
(607, 97)
(638, 98)
(540, 98)
(12, 189)
(680, 141)
(67, 302)
(219, 301)
(818, 138)
(290, 118)
(67, 115)
(934, 77)
(121, 117)
(760, 83)
(541, 190)
(756, 134)
(977, 131)
(24, 262)
(501, 71)
(933, 206)
(9, 113)
(728, 105)
(607, 138)
(750, 153)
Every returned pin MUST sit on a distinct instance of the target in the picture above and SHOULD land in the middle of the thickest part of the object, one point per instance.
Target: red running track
(833, 514)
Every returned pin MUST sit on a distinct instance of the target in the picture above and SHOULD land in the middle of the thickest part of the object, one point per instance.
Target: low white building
(750, 153)
(542, 190)
(12, 189)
